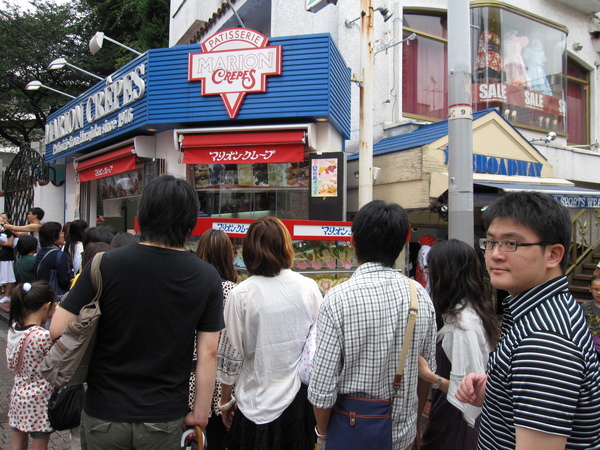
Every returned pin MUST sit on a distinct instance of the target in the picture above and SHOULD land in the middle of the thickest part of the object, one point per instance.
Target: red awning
(107, 164)
(244, 148)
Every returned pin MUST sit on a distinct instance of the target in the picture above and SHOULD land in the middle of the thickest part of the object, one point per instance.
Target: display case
(322, 248)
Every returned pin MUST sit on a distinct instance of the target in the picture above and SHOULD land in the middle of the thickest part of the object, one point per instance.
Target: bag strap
(410, 328)
(96, 275)
(28, 338)
(42, 260)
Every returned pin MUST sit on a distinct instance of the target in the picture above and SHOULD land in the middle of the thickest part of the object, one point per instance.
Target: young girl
(30, 307)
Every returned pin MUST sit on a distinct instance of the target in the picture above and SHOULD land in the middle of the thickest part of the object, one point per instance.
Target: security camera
(550, 137)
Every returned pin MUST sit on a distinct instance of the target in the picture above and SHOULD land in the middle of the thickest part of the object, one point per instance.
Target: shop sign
(233, 63)
(85, 117)
(517, 96)
(577, 201)
(503, 166)
(323, 231)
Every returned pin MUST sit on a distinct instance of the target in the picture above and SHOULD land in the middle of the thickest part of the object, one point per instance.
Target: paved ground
(58, 440)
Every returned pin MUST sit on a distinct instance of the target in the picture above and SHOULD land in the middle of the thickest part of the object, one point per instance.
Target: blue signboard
(153, 92)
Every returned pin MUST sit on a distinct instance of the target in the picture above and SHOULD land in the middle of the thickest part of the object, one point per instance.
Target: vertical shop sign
(233, 63)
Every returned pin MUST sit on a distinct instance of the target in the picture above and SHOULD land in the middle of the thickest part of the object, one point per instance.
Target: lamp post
(98, 39)
(35, 85)
(59, 63)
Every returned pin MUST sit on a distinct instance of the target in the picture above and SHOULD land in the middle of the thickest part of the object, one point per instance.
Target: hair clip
(26, 287)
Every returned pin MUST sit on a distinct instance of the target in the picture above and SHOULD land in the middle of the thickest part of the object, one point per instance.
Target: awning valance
(107, 164)
(244, 148)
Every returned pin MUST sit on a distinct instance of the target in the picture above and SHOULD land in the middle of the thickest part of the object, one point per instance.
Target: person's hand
(227, 417)
(472, 389)
(425, 372)
(321, 444)
(192, 419)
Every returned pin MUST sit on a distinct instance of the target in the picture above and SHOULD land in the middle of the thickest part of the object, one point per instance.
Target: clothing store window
(250, 191)
(425, 67)
(578, 81)
(519, 66)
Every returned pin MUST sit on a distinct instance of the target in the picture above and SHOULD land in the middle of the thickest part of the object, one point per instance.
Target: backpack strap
(42, 260)
(27, 339)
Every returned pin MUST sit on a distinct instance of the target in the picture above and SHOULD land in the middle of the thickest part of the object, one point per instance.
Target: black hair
(456, 276)
(49, 233)
(24, 303)
(594, 278)
(74, 235)
(38, 212)
(546, 217)
(98, 234)
(168, 211)
(26, 244)
(8, 215)
(379, 231)
(123, 238)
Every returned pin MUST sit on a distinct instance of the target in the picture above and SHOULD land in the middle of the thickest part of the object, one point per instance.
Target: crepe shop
(258, 128)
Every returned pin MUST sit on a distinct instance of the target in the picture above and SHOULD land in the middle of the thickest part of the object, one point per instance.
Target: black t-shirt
(153, 300)
(7, 253)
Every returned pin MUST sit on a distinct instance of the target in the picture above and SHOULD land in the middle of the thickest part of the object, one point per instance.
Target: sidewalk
(59, 440)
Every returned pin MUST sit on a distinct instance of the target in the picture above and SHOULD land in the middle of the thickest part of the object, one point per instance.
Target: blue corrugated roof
(418, 138)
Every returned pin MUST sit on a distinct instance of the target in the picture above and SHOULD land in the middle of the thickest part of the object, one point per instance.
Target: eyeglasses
(595, 290)
(506, 245)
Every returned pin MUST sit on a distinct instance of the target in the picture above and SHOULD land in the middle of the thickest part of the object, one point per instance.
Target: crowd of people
(531, 382)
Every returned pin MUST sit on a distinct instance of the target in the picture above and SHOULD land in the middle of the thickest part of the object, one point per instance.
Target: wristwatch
(437, 383)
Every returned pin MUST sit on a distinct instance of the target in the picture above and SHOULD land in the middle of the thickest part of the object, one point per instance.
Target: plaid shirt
(360, 331)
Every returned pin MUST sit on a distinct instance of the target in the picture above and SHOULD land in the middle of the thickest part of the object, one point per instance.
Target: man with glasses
(542, 388)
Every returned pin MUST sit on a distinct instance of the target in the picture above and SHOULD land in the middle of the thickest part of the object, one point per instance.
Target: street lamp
(98, 39)
(35, 85)
(59, 63)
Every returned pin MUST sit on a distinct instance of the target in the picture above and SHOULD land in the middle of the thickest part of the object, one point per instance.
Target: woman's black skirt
(293, 430)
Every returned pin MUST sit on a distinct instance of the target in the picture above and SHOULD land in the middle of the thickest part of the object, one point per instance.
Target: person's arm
(206, 370)
(528, 439)
(226, 397)
(426, 375)
(60, 320)
(472, 389)
(9, 241)
(23, 229)
(322, 417)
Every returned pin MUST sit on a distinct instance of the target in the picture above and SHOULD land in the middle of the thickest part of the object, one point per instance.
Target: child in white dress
(27, 343)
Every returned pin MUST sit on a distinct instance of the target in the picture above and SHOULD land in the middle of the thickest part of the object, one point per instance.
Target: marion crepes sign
(233, 63)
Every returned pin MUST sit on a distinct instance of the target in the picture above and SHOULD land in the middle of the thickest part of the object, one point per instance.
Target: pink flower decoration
(331, 264)
(347, 264)
(301, 265)
(316, 264)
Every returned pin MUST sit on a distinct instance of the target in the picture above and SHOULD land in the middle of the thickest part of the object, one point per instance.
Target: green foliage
(31, 39)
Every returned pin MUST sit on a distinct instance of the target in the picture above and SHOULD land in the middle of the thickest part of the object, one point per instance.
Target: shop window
(425, 67)
(578, 80)
(253, 190)
(519, 66)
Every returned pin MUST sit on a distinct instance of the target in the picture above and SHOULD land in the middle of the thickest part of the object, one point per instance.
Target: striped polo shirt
(544, 374)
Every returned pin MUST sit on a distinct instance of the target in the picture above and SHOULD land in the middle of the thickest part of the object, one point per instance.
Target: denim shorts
(34, 434)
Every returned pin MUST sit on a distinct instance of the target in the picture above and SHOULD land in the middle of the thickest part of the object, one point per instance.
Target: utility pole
(460, 123)
(365, 151)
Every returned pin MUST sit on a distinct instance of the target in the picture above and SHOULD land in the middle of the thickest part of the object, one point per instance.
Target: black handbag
(362, 423)
(65, 406)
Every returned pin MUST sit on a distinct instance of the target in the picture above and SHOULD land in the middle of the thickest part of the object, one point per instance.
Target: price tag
(460, 112)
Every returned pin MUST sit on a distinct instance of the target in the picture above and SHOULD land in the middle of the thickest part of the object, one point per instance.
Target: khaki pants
(98, 434)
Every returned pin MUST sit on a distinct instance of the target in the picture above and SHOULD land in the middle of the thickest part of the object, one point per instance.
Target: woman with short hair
(267, 318)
